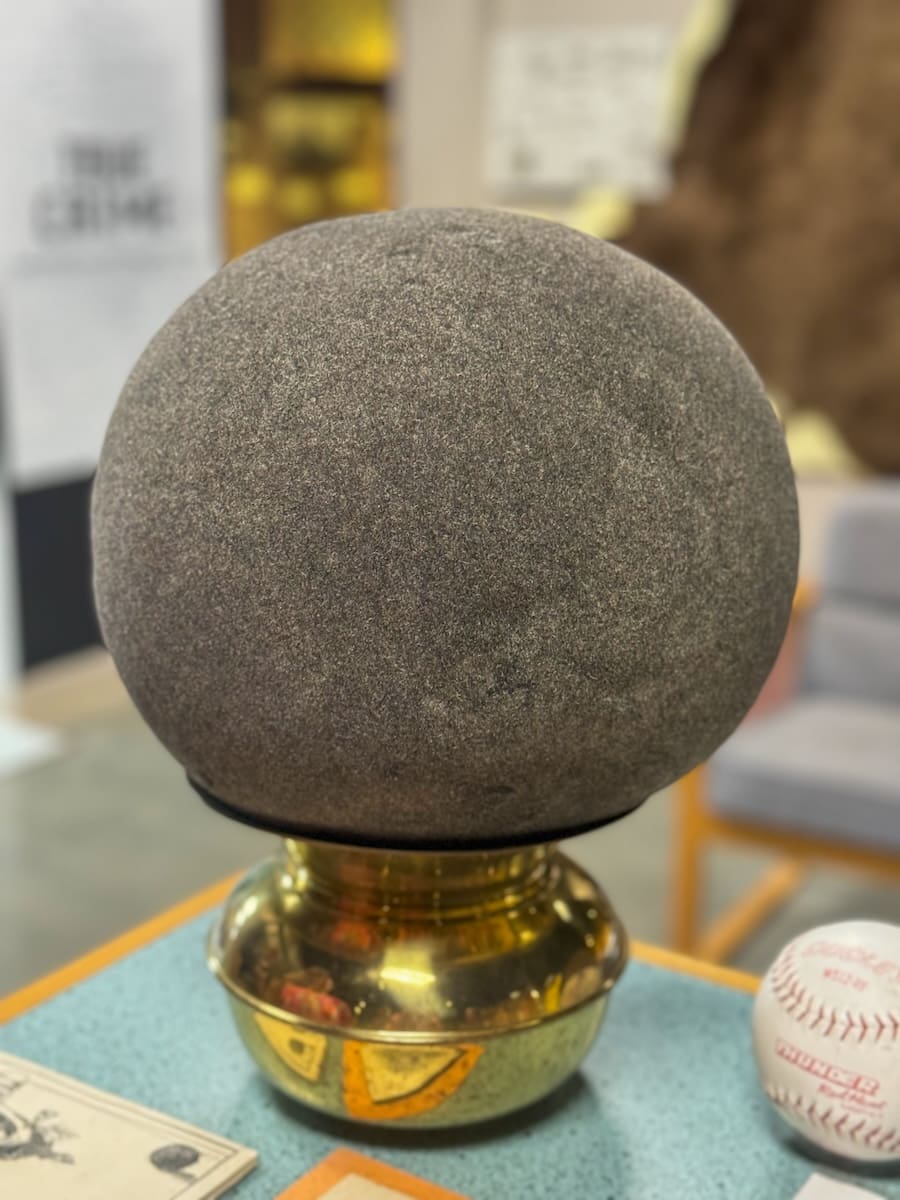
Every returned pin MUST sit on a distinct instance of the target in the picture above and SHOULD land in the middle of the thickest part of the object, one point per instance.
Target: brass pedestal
(417, 988)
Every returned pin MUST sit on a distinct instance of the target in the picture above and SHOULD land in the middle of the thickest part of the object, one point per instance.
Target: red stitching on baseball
(796, 999)
(877, 1138)
(787, 983)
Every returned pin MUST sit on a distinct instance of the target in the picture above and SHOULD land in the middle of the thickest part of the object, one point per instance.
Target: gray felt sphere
(442, 527)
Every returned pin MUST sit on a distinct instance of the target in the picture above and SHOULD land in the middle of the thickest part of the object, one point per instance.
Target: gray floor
(110, 834)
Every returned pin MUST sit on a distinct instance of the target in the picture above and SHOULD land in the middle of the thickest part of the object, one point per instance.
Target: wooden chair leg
(688, 865)
(695, 830)
(744, 917)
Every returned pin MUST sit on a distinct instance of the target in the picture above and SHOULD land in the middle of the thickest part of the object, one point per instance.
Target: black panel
(54, 563)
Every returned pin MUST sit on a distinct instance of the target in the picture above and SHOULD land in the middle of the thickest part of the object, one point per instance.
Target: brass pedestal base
(413, 988)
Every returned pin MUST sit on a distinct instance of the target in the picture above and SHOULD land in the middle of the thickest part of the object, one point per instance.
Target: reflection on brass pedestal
(414, 988)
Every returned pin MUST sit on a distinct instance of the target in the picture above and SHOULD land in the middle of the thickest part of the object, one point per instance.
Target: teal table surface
(666, 1105)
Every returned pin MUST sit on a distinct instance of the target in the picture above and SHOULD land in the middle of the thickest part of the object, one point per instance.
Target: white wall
(440, 95)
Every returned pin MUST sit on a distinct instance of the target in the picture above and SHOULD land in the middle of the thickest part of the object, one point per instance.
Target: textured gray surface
(442, 525)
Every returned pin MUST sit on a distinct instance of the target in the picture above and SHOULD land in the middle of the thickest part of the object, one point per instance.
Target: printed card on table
(345, 1175)
(59, 1137)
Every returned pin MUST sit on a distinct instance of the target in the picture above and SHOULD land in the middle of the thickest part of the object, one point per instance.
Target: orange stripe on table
(110, 952)
(683, 964)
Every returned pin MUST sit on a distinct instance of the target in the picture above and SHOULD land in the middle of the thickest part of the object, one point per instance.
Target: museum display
(426, 539)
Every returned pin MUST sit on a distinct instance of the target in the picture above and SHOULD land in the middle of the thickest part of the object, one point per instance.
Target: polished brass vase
(417, 988)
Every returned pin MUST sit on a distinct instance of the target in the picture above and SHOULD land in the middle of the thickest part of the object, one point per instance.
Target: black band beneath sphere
(322, 834)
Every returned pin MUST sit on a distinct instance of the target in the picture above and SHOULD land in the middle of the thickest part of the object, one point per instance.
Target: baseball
(826, 1034)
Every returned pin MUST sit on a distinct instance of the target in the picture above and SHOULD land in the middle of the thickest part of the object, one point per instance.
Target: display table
(666, 1105)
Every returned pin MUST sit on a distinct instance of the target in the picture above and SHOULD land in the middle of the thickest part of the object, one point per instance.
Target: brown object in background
(784, 216)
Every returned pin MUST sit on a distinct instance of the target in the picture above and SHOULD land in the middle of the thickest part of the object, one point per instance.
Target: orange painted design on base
(361, 1064)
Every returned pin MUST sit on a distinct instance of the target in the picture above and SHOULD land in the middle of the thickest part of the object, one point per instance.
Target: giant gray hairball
(442, 527)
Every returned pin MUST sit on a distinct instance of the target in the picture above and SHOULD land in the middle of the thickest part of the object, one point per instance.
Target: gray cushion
(862, 558)
(823, 766)
(853, 650)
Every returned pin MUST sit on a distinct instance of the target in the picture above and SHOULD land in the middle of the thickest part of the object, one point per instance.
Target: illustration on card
(28, 1136)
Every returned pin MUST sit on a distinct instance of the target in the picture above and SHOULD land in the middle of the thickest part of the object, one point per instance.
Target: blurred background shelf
(307, 130)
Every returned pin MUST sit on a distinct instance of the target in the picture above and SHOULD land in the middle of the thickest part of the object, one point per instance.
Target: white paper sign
(109, 210)
(568, 108)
